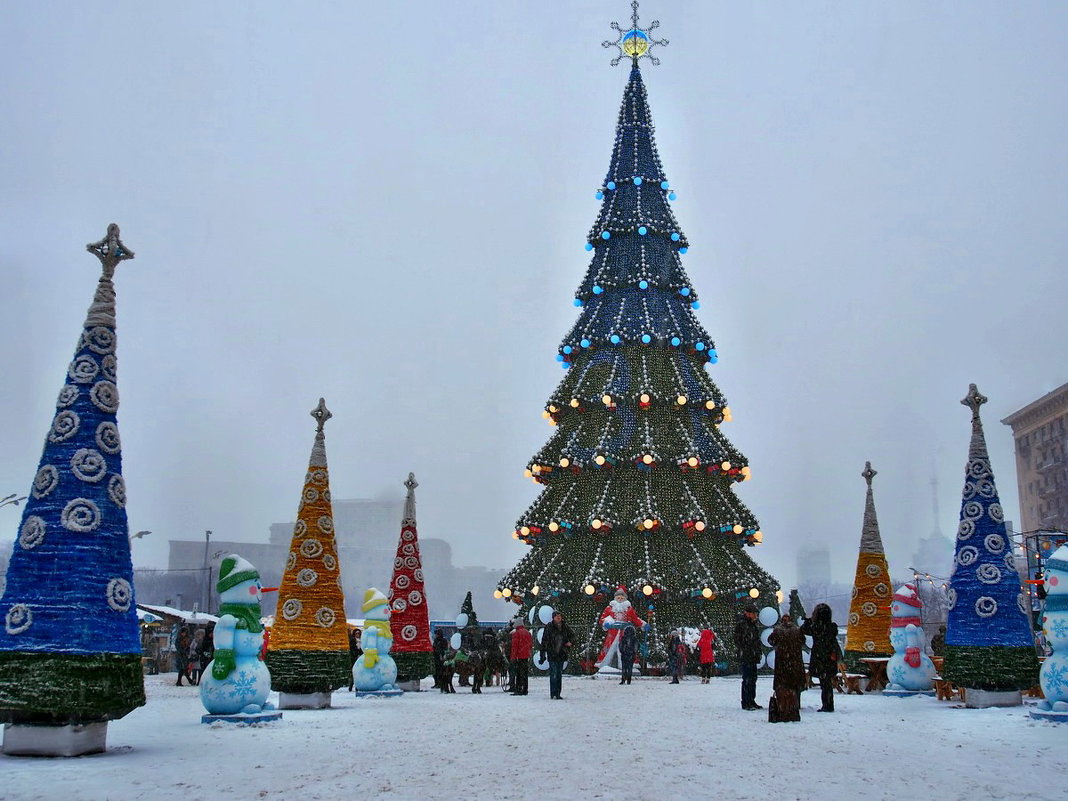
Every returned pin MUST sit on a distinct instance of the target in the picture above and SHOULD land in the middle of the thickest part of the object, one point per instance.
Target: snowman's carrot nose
(268, 589)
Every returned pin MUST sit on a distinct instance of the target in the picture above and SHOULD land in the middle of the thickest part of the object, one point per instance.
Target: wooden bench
(850, 682)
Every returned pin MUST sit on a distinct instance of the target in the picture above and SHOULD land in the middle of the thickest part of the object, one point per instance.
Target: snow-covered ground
(650, 740)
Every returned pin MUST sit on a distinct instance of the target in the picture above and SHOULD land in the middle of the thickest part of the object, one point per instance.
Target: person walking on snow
(556, 639)
(705, 653)
(747, 643)
(522, 643)
(825, 654)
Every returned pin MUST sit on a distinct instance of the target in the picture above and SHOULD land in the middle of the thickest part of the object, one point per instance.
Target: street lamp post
(205, 576)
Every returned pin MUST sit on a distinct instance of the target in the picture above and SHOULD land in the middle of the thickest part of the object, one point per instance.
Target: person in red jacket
(521, 646)
(706, 654)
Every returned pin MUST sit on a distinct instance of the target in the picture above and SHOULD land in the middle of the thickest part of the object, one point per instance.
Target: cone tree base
(304, 700)
(73, 739)
(54, 689)
(995, 668)
(300, 672)
(907, 693)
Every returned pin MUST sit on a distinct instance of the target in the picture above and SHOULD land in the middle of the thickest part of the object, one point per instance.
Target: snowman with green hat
(237, 681)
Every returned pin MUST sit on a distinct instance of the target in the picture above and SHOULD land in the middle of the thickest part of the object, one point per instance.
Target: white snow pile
(648, 740)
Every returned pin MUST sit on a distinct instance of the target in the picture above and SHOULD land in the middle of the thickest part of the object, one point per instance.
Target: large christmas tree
(639, 479)
(70, 648)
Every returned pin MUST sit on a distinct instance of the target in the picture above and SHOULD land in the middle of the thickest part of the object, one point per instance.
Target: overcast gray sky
(385, 204)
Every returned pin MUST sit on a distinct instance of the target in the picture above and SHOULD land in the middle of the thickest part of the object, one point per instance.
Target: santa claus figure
(616, 616)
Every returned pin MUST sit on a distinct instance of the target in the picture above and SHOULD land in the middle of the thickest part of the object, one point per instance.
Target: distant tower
(934, 553)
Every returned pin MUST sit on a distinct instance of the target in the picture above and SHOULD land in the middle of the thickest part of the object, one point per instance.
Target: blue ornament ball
(589, 246)
(675, 341)
(675, 236)
(606, 234)
(699, 345)
(695, 305)
(599, 195)
(610, 185)
(643, 284)
(684, 251)
(585, 343)
(637, 180)
(642, 230)
(685, 292)
(578, 301)
(673, 196)
(615, 339)
(597, 290)
(559, 357)
(567, 348)
(664, 184)
(646, 339)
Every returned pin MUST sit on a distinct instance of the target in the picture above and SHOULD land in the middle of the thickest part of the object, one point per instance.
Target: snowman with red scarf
(910, 669)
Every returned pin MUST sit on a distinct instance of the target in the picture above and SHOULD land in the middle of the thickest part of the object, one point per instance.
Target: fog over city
(386, 205)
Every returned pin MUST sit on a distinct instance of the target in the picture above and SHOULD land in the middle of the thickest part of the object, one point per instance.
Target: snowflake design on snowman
(1054, 674)
(237, 681)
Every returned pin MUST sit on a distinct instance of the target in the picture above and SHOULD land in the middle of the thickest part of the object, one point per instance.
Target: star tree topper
(321, 414)
(110, 250)
(635, 42)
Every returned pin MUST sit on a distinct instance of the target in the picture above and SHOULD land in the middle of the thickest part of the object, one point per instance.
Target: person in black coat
(747, 643)
(556, 639)
(440, 648)
(826, 653)
(628, 647)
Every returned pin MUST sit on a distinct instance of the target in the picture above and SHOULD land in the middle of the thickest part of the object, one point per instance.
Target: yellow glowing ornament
(648, 459)
(699, 525)
(635, 44)
(553, 409)
(644, 398)
(507, 593)
(527, 473)
(647, 590)
(681, 400)
(599, 459)
(710, 405)
(565, 462)
(574, 403)
(779, 596)
(648, 523)
(589, 589)
(706, 592)
(498, 594)
(545, 414)
(606, 400)
(692, 461)
(754, 593)
(524, 530)
(758, 536)
(554, 526)
(596, 523)
(725, 466)
(535, 590)
(737, 529)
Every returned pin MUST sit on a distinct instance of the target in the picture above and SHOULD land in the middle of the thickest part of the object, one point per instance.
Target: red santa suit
(614, 619)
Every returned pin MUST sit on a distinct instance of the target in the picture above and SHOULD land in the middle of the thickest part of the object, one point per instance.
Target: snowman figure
(375, 670)
(237, 681)
(1054, 674)
(910, 669)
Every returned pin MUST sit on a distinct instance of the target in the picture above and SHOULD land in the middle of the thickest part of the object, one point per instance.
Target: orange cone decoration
(308, 650)
(868, 634)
